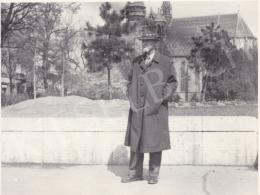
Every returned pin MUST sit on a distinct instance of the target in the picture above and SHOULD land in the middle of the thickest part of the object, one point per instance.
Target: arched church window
(159, 30)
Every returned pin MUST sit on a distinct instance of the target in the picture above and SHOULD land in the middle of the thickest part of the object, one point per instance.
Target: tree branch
(11, 47)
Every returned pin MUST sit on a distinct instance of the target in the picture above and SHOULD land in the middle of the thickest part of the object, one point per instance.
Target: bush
(175, 98)
(100, 91)
(49, 92)
(13, 99)
(194, 98)
(239, 82)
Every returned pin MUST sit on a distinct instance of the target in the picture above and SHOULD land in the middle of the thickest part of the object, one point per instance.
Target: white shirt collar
(150, 57)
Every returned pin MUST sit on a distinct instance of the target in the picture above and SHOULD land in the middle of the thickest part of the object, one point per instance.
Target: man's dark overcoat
(148, 91)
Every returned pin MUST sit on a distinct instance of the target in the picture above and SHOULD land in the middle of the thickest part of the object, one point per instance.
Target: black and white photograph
(129, 97)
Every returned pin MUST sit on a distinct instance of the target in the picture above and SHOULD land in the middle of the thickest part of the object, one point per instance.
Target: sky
(247, 9)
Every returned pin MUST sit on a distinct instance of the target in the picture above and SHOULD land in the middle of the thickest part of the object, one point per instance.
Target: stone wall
(195, 140)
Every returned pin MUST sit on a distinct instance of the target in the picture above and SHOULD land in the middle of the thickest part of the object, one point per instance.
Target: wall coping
(119, 124)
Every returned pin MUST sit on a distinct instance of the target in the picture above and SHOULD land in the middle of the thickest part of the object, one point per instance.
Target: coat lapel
(155, 59)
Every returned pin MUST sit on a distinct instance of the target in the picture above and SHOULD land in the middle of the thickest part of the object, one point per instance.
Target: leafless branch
(11, 47)
(82, 58)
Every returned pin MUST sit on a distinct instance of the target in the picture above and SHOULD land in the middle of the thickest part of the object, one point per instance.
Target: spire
(218, 22)
(166, 10)
(152, 14)
(237, 22)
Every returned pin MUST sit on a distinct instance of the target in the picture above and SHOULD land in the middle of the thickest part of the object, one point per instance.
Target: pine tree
(211, 54)
(108, 46)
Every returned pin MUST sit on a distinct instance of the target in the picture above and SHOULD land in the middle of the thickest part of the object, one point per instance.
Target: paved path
(101, 179)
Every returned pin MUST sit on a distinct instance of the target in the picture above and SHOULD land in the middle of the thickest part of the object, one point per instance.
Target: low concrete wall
(198, 140)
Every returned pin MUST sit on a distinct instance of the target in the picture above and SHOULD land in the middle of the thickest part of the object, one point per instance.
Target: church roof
(182, 29)
(159, 18)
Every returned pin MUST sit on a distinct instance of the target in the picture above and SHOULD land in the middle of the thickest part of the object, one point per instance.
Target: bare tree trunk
(62, 76)
(45, 83)
(34, 73)
(34, 81)
(11, 85)
(109, 81)
(226, 90)
(44, 59)
(5, 24)
(204, 88)
(10, 71)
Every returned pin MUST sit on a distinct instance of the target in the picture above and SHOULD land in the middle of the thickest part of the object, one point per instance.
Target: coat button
(142, 93)
(142, 82)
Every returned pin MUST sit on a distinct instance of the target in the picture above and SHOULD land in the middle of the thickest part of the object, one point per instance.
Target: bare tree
(31, 34)
(47, 22)
(66, 45)
(14, 17)
(8, 63)
(15, 53)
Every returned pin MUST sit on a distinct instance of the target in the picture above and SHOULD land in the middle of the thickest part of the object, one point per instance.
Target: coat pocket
(152, 109)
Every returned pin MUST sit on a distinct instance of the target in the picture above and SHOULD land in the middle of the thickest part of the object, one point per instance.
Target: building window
(159, 30)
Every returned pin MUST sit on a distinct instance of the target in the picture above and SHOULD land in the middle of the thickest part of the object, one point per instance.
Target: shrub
(13, 99)
(100, 91)
(238, 82)
(52, 91)
(175, 98)
(194, 98)
(95, 85)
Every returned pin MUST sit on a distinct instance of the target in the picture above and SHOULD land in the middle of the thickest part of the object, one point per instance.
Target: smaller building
(18, 81)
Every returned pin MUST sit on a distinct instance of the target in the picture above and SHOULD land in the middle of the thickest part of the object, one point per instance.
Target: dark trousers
(136, 163)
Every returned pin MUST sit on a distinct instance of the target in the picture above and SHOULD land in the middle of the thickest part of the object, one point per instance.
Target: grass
(228, 110)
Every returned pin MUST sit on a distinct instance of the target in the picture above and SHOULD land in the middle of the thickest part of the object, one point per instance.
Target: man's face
(148, 46)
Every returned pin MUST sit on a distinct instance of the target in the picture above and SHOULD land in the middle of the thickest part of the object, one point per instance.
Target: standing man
(152, 80)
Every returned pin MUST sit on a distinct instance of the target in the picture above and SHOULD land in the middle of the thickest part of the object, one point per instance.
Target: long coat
(148, 91)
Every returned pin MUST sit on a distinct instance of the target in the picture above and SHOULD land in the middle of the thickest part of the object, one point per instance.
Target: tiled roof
(159, 18)
(182, 29)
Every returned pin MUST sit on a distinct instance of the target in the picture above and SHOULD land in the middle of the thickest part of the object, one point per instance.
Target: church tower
(135, 11)
(135, 14)
(166, 11)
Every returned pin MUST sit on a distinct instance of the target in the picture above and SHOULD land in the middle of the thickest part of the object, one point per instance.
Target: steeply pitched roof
(182, 29)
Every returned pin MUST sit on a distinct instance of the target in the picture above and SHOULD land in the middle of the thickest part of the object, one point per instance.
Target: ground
(75, 106)
(102, 179)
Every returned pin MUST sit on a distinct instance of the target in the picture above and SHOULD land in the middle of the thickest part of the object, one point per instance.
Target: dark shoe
(131, 179)
(153, 180)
